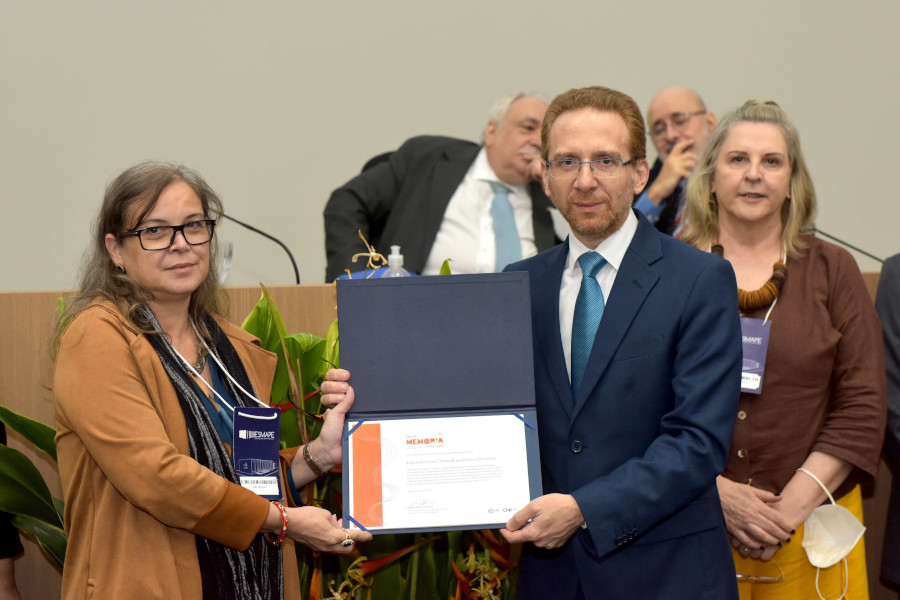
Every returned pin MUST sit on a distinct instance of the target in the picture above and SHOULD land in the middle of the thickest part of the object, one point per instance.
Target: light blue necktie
(506, 234)
(588, 312)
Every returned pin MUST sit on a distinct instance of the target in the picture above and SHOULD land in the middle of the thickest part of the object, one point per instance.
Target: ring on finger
(347, 540)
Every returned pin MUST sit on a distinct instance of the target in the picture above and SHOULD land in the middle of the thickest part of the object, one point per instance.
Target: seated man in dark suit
(637, 370)
(439, 198)
(679, 126)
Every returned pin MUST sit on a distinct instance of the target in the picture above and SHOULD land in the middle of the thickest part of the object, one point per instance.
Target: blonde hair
(701, 209)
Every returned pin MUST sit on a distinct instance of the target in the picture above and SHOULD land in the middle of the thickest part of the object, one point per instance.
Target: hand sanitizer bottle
(395, 264)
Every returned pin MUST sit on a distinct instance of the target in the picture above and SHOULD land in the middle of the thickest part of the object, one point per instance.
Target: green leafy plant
(23, 491)
(457, 565)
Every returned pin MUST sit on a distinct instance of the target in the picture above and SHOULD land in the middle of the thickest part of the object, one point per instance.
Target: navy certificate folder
(437, 343)
(439, 346)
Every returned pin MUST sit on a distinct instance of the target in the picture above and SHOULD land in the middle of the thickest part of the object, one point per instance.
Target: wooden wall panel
(25, 325)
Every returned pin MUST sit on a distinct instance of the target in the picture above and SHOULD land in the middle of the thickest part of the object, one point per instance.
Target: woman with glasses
(148, 384)
(812, 408)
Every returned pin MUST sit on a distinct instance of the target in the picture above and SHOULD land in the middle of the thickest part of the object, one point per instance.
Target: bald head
(678, 113)
(677, 93)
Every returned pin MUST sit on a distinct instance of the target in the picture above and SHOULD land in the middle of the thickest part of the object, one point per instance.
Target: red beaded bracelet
(284, 524)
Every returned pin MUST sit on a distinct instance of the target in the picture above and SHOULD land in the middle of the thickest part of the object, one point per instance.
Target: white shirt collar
(482, 171)
(612, 248)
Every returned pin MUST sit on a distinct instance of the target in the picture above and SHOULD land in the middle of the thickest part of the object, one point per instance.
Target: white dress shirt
(467, 231)
(613, 250)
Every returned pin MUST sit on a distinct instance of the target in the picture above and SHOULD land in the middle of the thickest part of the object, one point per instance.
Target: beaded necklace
(765, 295)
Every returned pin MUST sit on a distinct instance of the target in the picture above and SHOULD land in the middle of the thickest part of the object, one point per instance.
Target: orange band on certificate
(366, 475)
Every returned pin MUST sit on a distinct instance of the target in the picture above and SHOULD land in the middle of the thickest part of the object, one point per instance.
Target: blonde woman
(817, 418)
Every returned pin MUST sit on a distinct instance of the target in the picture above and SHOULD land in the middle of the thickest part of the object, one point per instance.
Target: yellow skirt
(800, 576)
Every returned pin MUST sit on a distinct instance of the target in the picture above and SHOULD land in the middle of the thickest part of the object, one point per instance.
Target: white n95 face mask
(830, 532)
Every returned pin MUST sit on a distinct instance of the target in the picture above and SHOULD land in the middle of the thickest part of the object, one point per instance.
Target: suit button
(742, 453)
(742, 415)
(576, 446)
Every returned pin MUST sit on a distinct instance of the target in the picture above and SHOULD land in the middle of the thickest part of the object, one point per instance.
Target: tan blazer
(135, 499)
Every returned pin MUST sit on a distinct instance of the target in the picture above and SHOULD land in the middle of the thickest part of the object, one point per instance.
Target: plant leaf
(445, 267)
(60, 507)
(52, 539)
(306, 351)
(372, 566)
(42, 436)
(23, 490)
(332, 353)
(265, 322)
(289, 429)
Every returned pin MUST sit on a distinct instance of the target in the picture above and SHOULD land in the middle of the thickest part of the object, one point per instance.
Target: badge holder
(255, 437)
(755, 340)
(256, 446)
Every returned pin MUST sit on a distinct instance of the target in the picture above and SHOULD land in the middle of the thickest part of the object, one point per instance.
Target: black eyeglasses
(161, 237)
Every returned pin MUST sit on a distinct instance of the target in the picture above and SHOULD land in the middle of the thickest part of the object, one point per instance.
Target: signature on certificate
(423, 505)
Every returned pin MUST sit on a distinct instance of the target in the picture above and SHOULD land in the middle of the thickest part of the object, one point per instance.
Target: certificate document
(430, 473)
(443, 432)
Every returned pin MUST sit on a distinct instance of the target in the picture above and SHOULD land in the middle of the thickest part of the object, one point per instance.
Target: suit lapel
(448, 174)
(546, 283)
(544, 236)
(633, 283)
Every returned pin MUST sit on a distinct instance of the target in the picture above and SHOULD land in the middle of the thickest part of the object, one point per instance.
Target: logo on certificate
(436, 440)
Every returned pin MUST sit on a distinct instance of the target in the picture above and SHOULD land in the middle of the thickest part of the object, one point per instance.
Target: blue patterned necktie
(506, 234)
(588, 312)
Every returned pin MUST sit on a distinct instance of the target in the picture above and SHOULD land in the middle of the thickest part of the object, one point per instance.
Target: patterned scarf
(256, 573)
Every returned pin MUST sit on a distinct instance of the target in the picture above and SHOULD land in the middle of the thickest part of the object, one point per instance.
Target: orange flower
(370, 567)
(315, 585)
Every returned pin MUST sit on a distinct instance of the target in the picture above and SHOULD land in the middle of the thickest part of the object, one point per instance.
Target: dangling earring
(120, 269)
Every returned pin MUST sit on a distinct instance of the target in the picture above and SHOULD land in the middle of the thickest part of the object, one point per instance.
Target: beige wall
(278, 102)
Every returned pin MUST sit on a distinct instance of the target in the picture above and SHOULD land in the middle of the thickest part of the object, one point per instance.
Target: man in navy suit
(629, 459)
(433, 197)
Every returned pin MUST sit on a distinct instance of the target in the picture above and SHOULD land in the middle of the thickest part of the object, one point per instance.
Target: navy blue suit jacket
(642, 444)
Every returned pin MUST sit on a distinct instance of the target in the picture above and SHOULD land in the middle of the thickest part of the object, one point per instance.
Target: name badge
(256, 434)
(755, 337)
